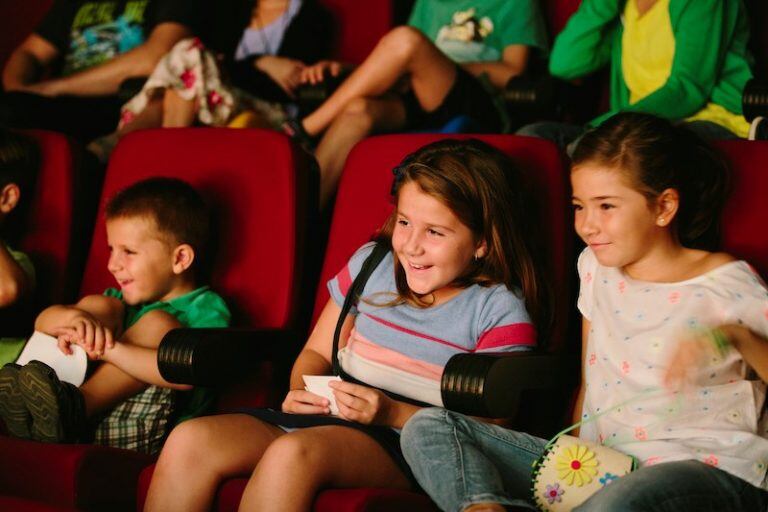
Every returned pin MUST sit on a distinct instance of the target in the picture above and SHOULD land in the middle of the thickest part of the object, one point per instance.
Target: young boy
(18, 169)
(157, 232)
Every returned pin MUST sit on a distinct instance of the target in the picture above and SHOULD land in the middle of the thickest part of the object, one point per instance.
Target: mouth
(598, 245)
(124, 282)
(418, 268)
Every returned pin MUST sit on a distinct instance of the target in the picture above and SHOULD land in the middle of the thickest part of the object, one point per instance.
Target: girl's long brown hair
(483, 188)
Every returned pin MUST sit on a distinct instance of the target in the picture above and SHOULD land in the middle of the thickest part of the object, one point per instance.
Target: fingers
(300, 401)
(335, 68)
(63, 342)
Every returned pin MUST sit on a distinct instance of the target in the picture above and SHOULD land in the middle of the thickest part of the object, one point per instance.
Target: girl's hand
(362, 404)
(300, 401)
(315, 73)
(285, 72)
(693, 352)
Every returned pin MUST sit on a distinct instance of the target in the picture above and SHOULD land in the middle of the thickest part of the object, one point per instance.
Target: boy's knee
(404, 40)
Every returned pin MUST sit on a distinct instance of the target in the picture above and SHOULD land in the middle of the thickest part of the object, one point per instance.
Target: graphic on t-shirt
(99, 35)
(463, 40)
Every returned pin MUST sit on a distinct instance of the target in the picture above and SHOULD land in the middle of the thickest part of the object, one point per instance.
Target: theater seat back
(363, 203)
(359, 26)
(249, 178)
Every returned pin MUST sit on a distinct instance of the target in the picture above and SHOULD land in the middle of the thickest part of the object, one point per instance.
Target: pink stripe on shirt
(345, 280)
(505, 335)
(414, 333)
(366, 349)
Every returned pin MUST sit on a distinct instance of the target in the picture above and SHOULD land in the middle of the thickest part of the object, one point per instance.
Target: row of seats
(262, 191)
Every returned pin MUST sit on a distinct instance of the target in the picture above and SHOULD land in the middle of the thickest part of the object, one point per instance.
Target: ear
(481, 251)
(667, 204)
(183, 256)
(9, 197)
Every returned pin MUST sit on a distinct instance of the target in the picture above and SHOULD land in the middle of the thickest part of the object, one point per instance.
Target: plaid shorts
(140, 423)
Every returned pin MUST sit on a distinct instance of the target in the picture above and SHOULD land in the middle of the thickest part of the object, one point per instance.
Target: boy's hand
(89, 333)
(300, 401)
(362, 404)
(315, 73)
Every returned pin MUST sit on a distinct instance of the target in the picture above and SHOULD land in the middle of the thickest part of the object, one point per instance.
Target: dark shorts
(385, 436)
(467, 97)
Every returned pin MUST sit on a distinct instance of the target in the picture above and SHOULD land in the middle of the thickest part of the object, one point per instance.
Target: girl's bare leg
(300, 463)
(202, 452)
(178, 112)
(404, 50)
(359, 118)
(150, 117)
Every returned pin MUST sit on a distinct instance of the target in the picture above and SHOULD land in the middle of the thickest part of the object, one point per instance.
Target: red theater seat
(359, 26)
(362, 205)
(746, 211)
(262, 193)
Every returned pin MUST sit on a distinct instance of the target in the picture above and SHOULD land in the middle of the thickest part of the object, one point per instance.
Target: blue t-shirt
(404, 348)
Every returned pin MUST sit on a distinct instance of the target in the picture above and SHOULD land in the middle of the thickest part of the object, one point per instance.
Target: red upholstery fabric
(359, 26)
(18, 20)
(241, 174)
(84, 477)
(14, 504)
(557, 13)
(50, 227)
(259, 188)
(363, 202)
(743, 223)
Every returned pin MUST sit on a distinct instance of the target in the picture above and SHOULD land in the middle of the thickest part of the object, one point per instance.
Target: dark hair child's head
(19, 163)
(177, 209)
(655, 155)
(482, 187)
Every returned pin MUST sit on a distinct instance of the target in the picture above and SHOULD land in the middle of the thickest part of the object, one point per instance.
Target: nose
(114, 264)
(412, 244)
(586, 223)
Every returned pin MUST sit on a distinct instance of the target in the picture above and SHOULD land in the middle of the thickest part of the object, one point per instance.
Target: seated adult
(66, 75)
(684, 60)
(449, 61)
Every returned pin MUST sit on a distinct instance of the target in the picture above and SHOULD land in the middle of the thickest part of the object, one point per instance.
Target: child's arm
(577, 406)
(752, 346)
(315, 359)
(136, 351)
(14, 282)
(513, 62)
(95, 321)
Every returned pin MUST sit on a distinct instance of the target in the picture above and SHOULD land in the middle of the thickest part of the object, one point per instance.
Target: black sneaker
(57, 408)
(12, 408)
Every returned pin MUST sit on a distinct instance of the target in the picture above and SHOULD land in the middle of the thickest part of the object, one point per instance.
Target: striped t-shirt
(404, 349)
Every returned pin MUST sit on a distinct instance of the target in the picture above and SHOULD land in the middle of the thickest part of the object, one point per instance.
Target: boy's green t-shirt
(199, 308)
(25, 263)
(478, 31)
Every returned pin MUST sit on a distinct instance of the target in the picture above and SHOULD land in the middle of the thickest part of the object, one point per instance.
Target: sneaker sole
(14, 412)
(37, 386)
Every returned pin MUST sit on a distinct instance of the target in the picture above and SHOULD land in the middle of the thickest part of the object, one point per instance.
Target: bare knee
(360, 112)
(187, 444)
(403, 41)
(297, 451)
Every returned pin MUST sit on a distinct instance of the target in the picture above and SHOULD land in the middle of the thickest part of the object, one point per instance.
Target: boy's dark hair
(179, 212)
(19, 164)
(655, 155)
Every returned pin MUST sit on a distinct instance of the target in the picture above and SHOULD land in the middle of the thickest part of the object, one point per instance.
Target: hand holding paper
(318, 384)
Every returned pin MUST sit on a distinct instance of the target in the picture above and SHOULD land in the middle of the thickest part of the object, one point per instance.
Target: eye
(577, 207)
(402, 222)
(606, 206)
(130, 252)
(434, 232)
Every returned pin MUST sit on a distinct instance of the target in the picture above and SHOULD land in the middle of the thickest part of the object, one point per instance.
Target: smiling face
(432, 245)
(146, 266)
(614, 219)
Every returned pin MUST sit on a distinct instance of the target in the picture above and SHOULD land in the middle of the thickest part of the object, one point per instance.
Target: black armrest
(485, 384)
(535, 98)
(754, 99)
(209, 357)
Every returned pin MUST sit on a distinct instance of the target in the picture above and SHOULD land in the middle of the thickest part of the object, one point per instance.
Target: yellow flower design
(576, 465)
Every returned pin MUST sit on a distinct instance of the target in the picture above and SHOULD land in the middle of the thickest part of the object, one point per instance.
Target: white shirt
(634, 329)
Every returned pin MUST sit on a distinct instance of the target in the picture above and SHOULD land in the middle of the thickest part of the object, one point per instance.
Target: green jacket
(711, 62)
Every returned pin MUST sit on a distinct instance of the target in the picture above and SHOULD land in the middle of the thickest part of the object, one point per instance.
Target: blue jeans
(460, 461)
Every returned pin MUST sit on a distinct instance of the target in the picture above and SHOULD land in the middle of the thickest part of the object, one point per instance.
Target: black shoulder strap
(353, 295)
(380, 250)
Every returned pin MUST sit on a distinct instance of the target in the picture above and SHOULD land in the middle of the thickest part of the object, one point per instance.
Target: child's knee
(425, 423)
(404, 40)
(294, 450)
(188, 439)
